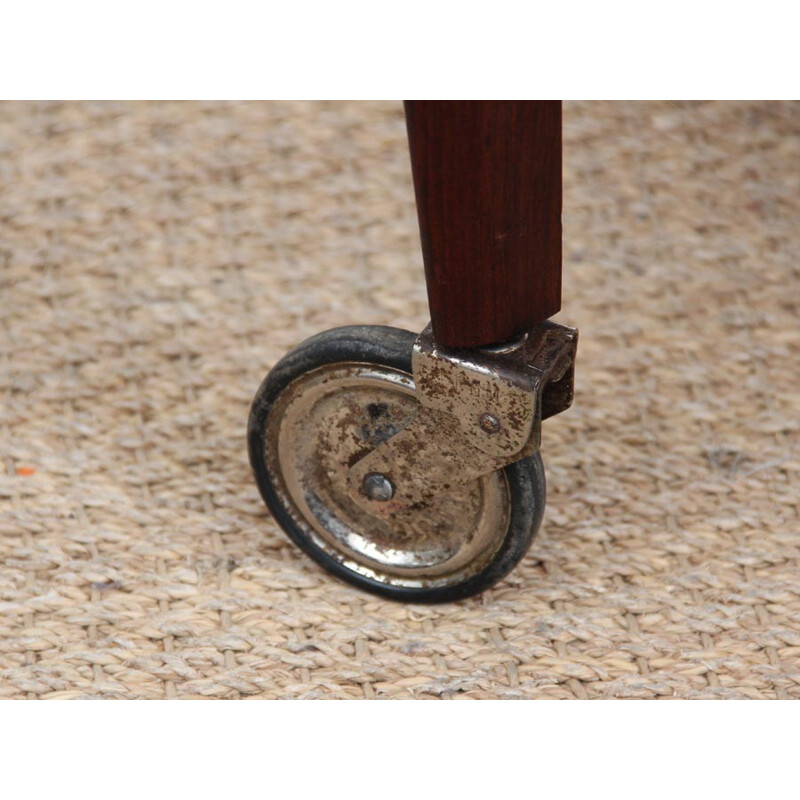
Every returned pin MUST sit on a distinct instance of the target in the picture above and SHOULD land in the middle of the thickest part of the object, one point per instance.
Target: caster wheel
(329, 402)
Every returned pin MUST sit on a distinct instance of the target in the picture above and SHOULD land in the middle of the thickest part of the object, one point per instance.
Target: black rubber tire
(391, 347)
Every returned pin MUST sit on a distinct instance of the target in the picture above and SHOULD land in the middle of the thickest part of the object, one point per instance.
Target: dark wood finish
(487, 177)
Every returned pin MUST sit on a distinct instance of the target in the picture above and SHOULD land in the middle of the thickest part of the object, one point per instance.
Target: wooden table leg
(487, 178)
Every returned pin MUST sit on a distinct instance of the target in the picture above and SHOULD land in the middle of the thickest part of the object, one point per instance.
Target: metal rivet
(378, 487)
(489, 423)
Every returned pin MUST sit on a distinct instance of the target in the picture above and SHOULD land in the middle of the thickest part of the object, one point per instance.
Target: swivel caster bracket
(479, 411)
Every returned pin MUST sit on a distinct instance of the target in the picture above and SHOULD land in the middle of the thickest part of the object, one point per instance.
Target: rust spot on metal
(479, 411)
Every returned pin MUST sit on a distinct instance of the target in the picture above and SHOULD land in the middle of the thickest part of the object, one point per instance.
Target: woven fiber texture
(157, 259)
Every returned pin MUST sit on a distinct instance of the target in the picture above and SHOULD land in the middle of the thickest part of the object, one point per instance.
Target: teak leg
(487, 177)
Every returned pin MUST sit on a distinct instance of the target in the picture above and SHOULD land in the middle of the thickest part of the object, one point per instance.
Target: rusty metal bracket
(479, 411)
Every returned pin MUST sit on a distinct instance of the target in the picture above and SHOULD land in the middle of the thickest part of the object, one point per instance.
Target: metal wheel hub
(331, 418)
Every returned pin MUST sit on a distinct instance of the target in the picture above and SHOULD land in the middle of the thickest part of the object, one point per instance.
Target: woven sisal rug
(157, 259)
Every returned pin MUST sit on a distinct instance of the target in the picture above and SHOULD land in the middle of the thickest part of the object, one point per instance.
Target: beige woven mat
(157, 259)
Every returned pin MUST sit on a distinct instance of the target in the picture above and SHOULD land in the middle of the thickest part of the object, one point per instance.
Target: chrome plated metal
(329, 419)
(505, 347)
(518, 385)
(479, 411)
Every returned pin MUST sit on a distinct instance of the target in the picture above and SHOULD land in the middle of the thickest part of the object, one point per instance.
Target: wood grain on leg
(487, 178)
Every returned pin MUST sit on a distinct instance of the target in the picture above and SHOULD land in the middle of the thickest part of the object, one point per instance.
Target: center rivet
(378, 487)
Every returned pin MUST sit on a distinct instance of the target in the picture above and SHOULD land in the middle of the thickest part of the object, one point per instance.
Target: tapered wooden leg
(487, 177)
